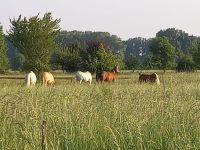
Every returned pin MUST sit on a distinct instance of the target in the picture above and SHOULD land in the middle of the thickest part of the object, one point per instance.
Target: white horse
(86, 76)
(30, 78)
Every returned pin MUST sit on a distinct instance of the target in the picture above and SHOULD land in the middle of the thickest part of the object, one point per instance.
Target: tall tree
(132, 62)
(185, 63)
(35, 39)
(113, 43)
(97, 57)
(137, 46)
(181, 40)
(68, 58)
(3, 56)
(195, 51)
(163, 53)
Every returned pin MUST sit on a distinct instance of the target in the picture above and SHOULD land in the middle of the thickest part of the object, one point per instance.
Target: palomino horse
(48, 78)
(86, 76)
(107, 76)
(30, 78)
(153, 78)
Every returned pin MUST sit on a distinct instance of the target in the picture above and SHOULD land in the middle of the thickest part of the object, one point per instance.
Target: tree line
(38, 44)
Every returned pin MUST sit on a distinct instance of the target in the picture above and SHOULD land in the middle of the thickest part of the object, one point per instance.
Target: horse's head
(116, 69)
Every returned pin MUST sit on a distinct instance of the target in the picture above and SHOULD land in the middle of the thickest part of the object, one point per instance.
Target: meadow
(124, 115)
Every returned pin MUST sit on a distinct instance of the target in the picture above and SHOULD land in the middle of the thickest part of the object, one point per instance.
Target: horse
(30, 78)
(48, 78)
(107, 76)
(153, 78)
(86, 76)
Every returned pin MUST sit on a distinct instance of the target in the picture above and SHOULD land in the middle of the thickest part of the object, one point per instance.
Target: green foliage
(137, 46)
(68, 58)
(195, 51)
(163, 53)
(185, 63)
(132, 62)
(3, 56)
(114, 43)
(181, 40)
(34, 38)
(148, 63)
(97, 57)
(19, 61)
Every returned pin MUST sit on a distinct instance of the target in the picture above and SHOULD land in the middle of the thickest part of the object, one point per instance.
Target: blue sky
(124, 18)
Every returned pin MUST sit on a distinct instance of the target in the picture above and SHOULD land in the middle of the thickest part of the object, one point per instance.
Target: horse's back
(30, 78)
(105, 76)
(87, 76)
(48, 78)
(149, 78)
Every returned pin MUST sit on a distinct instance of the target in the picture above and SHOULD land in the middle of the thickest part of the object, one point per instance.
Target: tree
(137, 46)
(185, 63)
(68, 58)
(163, 53)
(97, 57)
(195, 51)
(34, 38)
(132, 62)
(113, 43)
(148, 63)
(19, 61)
(181, 40)
(3, 57)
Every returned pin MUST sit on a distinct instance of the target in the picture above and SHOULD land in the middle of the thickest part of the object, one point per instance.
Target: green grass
(121, 115)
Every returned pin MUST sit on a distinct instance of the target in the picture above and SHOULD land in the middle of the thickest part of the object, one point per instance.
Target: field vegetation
(120, 115)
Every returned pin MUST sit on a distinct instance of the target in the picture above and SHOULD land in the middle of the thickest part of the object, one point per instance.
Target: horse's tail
(157, 79)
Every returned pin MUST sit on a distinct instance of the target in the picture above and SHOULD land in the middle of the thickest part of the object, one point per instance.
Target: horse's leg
(80, 81)
(90, 81)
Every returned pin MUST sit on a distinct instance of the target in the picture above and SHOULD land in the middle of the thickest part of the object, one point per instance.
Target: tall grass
(121, 115)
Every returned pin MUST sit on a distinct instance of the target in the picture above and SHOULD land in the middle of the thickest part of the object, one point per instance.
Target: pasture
(120, 115)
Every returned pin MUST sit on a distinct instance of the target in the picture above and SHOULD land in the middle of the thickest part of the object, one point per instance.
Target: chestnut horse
(107, 76)
(153, 78)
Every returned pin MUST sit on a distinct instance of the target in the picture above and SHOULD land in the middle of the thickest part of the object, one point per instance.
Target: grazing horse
(48, 78)
(30, 78)
(107, 76)
(86, 76)
(153, 78)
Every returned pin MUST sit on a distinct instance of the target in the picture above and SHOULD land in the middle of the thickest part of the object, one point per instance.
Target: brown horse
(48, 78)
(153, 78)
(107, 76)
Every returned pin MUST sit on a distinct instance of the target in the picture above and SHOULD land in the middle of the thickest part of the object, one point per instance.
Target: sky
(124, 18)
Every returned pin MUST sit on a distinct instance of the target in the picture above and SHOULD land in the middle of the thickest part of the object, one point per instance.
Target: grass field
(123, 115)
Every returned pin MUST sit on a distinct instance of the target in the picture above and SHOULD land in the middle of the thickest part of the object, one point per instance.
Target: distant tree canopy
(34, 38)
(163, 53)
(113, 43)
(28, 39)
(3, 57)
(138, 47)
(178, 38)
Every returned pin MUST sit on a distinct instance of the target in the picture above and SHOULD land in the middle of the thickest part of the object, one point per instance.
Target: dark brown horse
(107, 76)
(153, 78)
